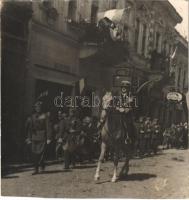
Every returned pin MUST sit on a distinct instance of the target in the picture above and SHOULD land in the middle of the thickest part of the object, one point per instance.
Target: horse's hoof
(114, 179)
(96, 178)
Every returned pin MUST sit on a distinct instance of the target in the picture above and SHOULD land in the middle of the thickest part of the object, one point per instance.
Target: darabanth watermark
(94, 101)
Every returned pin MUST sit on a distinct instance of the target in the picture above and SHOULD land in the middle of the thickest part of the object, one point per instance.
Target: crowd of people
(176, 136)
(74, 139)
(150, 134)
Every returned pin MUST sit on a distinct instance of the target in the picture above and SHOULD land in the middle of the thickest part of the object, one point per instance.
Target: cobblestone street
(163, 176)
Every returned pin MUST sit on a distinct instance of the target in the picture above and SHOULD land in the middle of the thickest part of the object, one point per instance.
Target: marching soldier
(39, 135)
(155, 135)
(61, 129)
(147, 135)
(73, 129)
(87, 132)
(185, 135)
(173, 135)
(141, 131)
(178, 136)
(166, 138)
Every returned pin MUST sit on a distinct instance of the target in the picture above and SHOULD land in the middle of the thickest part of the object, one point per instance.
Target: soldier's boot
(43, 167)
(36, 171)
(66, 160)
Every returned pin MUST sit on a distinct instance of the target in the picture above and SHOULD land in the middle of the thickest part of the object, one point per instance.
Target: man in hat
(126, 105)
(140, 134)
(71, 132)
(39, 135)
(147, 135)
(61, 128)
(185, 135)
(155, 135)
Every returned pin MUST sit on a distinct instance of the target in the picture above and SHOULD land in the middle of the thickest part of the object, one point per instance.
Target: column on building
(159, 47)
(147, 42)
(140, 36)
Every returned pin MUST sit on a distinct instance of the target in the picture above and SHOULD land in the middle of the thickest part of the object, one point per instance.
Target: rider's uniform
(122, 108)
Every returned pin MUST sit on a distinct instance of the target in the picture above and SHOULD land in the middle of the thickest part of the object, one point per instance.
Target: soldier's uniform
(178, 136)
(185, 135)
(173, 136)
(87, 133)
(141, 141)
(39, 133)
(62, 129)
(73, 129)
(166, 138)
(155, 136)
(126, 108)
(147, 135)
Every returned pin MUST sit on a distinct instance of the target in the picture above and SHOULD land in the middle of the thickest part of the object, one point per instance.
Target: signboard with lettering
(174, 96)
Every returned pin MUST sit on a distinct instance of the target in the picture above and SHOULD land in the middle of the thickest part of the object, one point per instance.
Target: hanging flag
(112, 20)
(172, 63)
(80, 86)
(174, 53)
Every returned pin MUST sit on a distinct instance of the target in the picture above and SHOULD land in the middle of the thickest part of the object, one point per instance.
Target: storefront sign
(175, 96)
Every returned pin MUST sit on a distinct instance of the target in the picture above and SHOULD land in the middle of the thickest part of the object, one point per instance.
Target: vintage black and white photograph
(94, 99)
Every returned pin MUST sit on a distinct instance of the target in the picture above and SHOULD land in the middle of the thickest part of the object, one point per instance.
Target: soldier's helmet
(125, 83)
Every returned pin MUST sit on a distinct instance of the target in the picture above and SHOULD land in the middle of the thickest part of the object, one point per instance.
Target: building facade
(61, 42)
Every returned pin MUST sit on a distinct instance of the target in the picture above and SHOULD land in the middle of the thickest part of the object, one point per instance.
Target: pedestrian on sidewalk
(39, 135)
(141, 132)
(155, 135)
(185, 136)
(148, 135)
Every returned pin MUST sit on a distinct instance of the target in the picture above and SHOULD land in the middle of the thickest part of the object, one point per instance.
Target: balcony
(107, 39)
(159, 62)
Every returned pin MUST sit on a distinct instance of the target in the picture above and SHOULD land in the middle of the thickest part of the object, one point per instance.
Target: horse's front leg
(125, 169)
(101, 158)
(116, 159)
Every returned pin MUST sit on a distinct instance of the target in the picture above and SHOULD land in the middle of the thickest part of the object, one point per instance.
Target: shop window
(72, 6)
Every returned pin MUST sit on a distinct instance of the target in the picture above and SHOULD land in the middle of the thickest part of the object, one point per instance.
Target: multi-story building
(49, 45)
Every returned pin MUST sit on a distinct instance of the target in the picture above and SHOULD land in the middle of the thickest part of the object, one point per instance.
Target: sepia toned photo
(94, 99)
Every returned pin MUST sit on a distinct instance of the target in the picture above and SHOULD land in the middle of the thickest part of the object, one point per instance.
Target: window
(144, 39)
(137, 33)
(114, 4)
(157, 40)
(94, 11)
(179, 75)
(184, 79)
(72, 6)
(46, 3)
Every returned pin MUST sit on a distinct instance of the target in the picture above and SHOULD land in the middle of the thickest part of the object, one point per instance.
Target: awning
(115, 15)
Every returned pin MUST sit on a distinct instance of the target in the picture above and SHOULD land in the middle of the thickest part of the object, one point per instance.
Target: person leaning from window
(39, 135)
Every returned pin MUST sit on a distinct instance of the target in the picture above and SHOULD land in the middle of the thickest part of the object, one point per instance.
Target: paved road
(163, 176)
